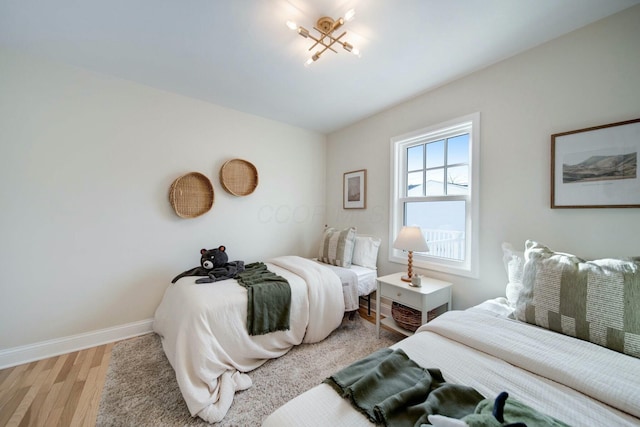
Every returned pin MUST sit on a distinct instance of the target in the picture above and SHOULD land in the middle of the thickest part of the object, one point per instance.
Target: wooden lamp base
(409, 275)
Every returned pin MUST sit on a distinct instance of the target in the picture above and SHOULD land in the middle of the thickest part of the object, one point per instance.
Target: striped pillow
(336, 247)
(597, 301)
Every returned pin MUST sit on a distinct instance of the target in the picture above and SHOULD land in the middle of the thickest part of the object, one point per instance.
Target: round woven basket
(239, 177)
(409, 318)
(191, 195)
(406, 317)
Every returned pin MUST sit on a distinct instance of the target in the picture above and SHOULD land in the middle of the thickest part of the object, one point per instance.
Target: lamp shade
(411, 239)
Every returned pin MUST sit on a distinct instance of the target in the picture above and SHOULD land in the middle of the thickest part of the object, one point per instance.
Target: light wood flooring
(60, 391)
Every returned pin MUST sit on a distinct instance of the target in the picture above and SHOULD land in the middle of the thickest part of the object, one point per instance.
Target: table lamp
(410, 239)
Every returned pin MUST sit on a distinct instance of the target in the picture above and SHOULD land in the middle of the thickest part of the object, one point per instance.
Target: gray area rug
(141, 389)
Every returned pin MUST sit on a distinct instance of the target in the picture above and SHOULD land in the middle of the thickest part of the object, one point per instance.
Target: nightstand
(432, 294)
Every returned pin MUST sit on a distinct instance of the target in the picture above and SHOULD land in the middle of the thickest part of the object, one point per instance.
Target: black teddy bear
(214, 264)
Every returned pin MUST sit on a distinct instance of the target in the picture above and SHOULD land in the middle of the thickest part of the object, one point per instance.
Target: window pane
(435, 182)
(458, 149)
(458, 180)
(443, 226)
(414, 184)
(415, 158)
(435, 154)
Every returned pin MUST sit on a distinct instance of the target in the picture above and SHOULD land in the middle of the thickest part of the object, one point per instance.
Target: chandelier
(326, 40)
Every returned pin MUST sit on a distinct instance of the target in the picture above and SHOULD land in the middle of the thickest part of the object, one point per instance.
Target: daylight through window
(435, 187)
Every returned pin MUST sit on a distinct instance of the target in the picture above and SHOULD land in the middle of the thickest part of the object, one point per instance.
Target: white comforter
(575, 381)
(204, 331)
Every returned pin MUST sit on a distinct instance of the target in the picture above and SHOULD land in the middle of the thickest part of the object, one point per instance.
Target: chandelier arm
(324, 34)
(324, 50)
(321, 41)
(334, 41)
(317, 42)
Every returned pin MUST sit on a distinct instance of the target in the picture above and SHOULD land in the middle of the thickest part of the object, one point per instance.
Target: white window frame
(468, 267)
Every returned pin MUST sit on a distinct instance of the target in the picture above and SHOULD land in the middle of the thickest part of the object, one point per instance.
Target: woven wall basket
(239, 177)
(191, 195)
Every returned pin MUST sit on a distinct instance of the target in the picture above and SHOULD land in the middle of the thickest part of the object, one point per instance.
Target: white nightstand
(432, 294)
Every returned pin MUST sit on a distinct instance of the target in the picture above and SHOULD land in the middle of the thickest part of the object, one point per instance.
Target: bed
(532, 345)
(204, 330)
(353, 257)
(204, 327)
(357, 282)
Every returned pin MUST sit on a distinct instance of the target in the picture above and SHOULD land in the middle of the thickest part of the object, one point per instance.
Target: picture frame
(596, 167)
(354, 185)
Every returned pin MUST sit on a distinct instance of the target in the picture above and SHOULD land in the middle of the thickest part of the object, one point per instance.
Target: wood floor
(60, 391)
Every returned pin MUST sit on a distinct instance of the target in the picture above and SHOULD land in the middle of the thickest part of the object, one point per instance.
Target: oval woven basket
(239, 177)
(191, 195)
(409, 318)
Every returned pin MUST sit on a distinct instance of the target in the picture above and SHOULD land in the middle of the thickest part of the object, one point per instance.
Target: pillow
(336, 247)
(365, 251)
(514, 265)
(597, 301)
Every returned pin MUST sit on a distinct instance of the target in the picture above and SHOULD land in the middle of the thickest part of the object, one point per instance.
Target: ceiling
(241, 55)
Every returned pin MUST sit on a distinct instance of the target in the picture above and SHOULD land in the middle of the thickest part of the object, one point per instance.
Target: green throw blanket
(503, 411)
(391, 389)
(269, 299)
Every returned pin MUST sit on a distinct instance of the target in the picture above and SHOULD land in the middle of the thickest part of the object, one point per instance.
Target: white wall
(587, 78)
(88, 237)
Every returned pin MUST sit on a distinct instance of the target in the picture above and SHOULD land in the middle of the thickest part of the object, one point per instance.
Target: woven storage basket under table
(409, 318)
(191, 195)
(239, 177)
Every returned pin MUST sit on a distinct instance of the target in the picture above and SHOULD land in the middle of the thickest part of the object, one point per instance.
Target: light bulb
(349, 15)
(292, 25)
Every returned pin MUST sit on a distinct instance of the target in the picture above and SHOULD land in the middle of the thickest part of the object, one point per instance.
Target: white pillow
(336, 247)
(365, 251)
(514, 264)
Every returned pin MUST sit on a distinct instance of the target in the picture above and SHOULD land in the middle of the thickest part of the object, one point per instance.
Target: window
(435, 186)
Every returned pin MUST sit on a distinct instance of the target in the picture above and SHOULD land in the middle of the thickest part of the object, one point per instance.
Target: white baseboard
(45, 349)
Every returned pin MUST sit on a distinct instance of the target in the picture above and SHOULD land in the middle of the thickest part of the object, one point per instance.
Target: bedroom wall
(89, 239)
(587, 78)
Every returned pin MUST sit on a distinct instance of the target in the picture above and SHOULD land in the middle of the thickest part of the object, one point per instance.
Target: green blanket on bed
(391, 389)
(268, 299)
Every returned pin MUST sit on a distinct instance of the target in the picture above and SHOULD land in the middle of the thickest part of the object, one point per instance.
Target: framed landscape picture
(596, 167)
(355, 190)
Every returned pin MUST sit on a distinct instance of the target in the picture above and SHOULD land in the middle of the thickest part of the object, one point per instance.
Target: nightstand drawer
(400, 295)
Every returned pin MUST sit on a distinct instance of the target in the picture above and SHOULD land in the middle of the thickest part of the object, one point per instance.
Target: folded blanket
(391, 389)
(268, 299)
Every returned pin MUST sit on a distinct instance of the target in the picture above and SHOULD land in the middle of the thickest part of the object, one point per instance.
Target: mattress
(356, 281)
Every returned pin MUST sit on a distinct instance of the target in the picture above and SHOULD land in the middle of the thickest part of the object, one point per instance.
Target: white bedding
(575, 381)
(356, 281)
(204, 332)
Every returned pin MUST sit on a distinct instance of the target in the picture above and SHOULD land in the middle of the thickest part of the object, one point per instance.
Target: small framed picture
(355, 190)
(596, 167)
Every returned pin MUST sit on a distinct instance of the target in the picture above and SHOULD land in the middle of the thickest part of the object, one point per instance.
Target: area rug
(141, 389)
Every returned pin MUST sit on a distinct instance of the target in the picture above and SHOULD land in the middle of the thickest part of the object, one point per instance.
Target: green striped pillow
(336, 247)
(597, 301)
